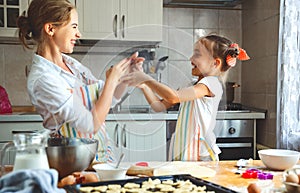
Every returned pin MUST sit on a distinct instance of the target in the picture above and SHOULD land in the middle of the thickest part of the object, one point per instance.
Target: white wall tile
(180, 17)
(16, 58)
(206, 18)
(230, 19)
(179, 74)
(180, 44)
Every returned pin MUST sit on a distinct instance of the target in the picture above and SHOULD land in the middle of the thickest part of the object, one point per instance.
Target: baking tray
(197, 181)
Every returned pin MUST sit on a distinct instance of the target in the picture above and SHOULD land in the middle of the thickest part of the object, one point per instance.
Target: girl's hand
(136, 78)
(136, 63)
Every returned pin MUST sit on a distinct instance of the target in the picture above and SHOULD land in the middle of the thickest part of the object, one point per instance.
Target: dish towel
(30, 181)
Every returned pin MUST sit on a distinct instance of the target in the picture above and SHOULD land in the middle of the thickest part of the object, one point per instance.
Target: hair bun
(24, 26)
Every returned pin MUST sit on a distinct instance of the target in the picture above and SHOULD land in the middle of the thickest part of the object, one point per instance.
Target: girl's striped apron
(187, 139)
(89, 95)
(186, 143)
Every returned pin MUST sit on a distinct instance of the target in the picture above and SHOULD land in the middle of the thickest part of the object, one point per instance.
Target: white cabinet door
(132, 20)
(139, 140)
(143, 20)
(98, 18)
(9, 12)
(7, 129)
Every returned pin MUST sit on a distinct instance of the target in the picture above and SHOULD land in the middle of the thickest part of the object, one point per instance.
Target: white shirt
(207, 108)
(49, 88)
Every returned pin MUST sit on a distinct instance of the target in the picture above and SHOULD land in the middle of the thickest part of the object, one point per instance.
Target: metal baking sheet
(197, 181)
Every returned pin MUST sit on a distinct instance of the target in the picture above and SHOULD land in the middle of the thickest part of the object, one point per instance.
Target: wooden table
(226, 176)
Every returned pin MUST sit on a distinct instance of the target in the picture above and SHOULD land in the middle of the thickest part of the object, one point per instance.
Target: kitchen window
(288, 89)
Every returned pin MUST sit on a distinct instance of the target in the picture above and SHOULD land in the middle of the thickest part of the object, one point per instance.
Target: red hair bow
(231, 61)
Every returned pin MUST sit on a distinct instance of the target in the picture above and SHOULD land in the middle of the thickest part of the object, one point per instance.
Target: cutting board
(172, 168)
(192, 168)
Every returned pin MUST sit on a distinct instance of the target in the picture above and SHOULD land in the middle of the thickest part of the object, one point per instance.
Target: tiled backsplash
(182, 26)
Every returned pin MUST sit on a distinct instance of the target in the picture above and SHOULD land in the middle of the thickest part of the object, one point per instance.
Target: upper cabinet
(9, 12)
(131, 20)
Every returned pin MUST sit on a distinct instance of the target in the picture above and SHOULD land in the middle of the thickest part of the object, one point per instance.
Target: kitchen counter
(34, 117)
(226, 176)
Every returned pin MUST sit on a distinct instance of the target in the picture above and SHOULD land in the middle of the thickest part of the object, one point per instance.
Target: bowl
(68, 155)
(108, 171)
(290, 177)
(278, 159)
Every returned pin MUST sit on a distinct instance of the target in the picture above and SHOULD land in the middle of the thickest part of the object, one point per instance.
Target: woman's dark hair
(39, 13)
(219, 47)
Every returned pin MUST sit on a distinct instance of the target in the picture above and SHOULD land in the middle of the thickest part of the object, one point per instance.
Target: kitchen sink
(128, 111)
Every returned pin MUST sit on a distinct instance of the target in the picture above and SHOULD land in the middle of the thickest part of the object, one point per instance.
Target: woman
(71, 101)
(213, 55)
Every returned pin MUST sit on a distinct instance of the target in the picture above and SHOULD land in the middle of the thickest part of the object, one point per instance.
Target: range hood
(217, 4)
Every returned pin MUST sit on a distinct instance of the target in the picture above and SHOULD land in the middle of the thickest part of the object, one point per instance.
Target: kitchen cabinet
(131, 20)
(139, 140)
(9, 12)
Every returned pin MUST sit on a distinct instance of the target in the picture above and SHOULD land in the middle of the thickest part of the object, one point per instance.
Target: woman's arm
(104, 101)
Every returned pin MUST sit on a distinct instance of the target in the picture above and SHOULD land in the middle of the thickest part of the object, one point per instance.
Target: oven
(235, 138)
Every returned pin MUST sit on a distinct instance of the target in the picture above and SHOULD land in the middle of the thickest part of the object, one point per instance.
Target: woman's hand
(118, 70)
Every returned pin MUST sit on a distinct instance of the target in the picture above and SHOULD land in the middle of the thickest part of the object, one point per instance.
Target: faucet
(117, 108)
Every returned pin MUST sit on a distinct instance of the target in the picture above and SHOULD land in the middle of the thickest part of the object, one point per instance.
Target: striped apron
(187, 140)
(89, 95)
(185, 144)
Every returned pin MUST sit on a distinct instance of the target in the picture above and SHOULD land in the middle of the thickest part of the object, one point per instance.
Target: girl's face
(202, 61)
(65, 36)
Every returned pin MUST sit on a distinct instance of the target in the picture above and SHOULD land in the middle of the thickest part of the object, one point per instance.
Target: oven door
(235, 139)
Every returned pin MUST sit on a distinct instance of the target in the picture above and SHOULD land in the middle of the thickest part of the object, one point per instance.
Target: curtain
(288, 92)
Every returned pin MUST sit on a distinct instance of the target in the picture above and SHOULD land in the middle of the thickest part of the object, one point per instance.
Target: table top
(226, 176)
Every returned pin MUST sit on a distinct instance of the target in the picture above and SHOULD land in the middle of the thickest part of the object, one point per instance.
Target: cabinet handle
(116, 135)
(123, 26)
(123, 135)
(115, 30)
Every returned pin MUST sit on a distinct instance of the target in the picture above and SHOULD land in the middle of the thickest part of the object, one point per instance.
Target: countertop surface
(34, 117)
(226, 176)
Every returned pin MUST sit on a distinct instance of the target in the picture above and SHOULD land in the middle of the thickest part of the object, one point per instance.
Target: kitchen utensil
(160, 64)
(278, 159)
(68, 155)
(30, 151)
(120, 159)
(229, 91)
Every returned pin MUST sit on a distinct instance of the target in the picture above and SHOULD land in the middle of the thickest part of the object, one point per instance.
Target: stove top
(233, 107)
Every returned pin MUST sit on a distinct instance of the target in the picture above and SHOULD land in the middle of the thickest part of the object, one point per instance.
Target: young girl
(71, 101)
(194, 139)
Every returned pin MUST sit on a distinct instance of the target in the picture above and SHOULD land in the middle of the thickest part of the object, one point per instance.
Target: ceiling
(217, 4)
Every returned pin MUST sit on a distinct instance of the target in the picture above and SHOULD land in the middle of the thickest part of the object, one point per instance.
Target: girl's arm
(170, 95)
(157, 104)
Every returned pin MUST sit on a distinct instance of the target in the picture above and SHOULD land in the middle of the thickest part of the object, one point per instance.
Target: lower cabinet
(7, 129)
(138, 140)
